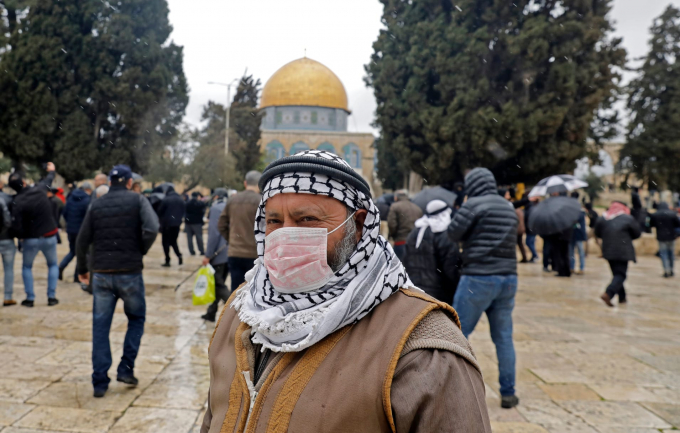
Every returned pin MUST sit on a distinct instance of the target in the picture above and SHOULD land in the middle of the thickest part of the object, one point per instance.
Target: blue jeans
(8, 250)
(667, 253)
(107, 289)
(531, 244)
(581, 254)
(400, 251)
(71, 253)
(495, 295)
(48, 246)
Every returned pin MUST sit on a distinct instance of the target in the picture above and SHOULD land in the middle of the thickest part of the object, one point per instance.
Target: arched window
(327, 147)
(274, 151)
(352, 154)
(298, 147)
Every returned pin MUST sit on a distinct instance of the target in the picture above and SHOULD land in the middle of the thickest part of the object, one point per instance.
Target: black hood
(662, 206)
(480, 181)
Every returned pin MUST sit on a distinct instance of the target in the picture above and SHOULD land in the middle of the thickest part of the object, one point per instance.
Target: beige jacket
(236, 224)
(402, 219)
(405, 367)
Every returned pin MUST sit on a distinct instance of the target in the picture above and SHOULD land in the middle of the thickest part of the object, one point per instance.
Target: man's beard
(345, 248)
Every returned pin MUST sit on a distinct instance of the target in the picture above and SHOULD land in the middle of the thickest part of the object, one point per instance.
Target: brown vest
(341, 384)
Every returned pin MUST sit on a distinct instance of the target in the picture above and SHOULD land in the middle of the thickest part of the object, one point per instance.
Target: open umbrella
(435, 193)
(557, 183)
(554, 215)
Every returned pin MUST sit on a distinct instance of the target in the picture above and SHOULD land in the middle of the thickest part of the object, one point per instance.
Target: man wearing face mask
(328, 333)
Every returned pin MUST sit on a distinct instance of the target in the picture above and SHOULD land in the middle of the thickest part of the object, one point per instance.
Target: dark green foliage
(595, 186)
(652, 151)
(209, 166)
(392, 170)
(244, 122)
(90, 84)
(510, 85)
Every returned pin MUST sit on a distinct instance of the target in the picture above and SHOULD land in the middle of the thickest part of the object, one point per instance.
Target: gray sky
(223, 38)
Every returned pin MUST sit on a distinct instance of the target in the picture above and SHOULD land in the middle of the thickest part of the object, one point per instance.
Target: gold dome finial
(304, 82)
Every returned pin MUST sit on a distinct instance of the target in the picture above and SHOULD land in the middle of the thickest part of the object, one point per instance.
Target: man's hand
(206, 260)
(84, 278)
(50, 167)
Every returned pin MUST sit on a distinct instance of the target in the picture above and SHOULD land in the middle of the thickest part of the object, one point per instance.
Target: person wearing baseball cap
(121, 226)
(328, 333)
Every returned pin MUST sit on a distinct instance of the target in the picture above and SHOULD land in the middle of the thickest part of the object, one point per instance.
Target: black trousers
(238, 267)
(619, 271)
(221, 291)
(559, 254)
(547, 252)
(169, 237)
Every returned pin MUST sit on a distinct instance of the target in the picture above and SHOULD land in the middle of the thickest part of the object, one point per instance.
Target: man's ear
(360, 218)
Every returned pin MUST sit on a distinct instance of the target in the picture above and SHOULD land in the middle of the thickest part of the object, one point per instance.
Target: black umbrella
(554, 215)
(435, 193)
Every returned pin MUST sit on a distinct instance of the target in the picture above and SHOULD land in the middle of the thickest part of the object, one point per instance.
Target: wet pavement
(582, 367)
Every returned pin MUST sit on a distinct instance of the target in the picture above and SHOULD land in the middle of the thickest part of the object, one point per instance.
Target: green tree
(652, 150)
(209, 166)
(244, 123)
(89, 84)
(510, 85)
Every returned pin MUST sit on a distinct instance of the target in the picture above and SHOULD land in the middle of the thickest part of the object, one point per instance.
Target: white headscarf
(292, 322)
(437, 217)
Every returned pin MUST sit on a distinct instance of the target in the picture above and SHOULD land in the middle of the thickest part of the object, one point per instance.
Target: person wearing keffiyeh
(328, 333)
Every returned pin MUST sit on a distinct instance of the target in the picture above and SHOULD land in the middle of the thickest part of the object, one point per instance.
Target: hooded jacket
(75, 210)
(487, 226)
(665, 221)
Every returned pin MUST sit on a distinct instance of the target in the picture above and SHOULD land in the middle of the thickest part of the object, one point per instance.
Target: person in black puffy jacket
(617, 229)
(487, 226)
(170, 214)
(432, 259)
(666, 222)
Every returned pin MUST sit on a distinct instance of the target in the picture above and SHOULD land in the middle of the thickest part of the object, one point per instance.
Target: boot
(607, 300)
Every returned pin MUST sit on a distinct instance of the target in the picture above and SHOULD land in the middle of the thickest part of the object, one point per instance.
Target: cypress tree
(89, 84)
(510, 85)
(244, 122)
(652, 150)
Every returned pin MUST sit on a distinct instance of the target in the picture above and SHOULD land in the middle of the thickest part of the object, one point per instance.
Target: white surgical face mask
(296, 258)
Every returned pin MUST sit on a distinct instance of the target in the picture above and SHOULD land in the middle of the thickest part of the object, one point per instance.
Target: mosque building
(305, 107)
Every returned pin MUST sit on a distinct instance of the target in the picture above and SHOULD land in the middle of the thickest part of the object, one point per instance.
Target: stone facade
(356, 148)
(305, 118)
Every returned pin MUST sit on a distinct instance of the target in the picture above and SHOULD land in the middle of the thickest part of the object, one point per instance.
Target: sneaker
(9, 302)
(546, 270)
(524, 261)
(27, 303)
(192, 253)
(208, 318)
(99, 393)
(51, 302)
(607, 300)
(129, 380)
(509, 401)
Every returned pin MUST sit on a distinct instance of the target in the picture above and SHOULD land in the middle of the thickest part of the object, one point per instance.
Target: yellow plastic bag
(204, 287)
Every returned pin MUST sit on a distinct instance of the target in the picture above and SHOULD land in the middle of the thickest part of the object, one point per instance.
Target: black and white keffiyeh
(293, 322)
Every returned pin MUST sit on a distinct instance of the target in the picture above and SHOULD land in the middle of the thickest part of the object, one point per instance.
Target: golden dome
(304, 82)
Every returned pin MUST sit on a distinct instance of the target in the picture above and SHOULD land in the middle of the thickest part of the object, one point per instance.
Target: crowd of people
(309, 246)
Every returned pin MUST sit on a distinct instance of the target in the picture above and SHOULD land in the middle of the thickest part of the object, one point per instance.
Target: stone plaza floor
(581, 367)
